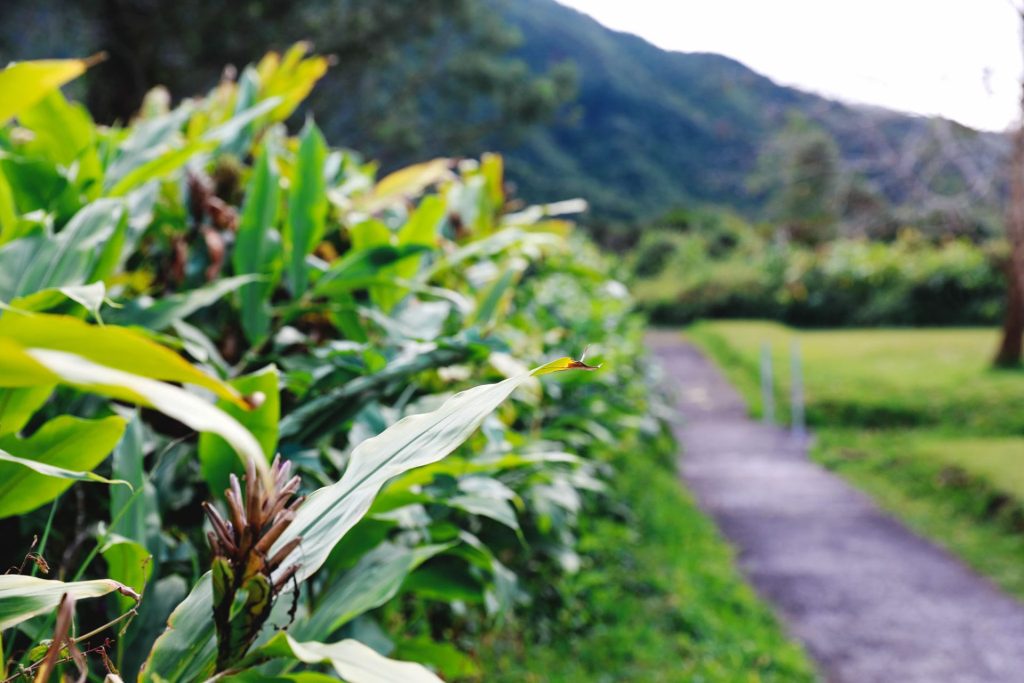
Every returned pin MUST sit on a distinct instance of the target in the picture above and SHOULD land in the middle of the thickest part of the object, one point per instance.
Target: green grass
(878, 377)
(662, 601)
(957, 477)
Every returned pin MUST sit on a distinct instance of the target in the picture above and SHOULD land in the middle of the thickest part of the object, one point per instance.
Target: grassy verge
(958, 479)
(661, 600)
(913, 477)
(878, 377)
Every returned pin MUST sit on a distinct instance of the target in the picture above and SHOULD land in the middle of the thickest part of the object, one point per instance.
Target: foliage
(255, 293)
(910, 281)
(411, 78)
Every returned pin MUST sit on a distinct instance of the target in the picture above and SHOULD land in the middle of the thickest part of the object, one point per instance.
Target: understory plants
(267, 416)
(732, 271)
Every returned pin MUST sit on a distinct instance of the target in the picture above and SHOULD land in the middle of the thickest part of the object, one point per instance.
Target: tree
(1010, 347)
(800, 172)
(411, 77)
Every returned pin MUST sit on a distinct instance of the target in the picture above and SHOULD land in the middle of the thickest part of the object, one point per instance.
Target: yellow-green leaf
(25, 83)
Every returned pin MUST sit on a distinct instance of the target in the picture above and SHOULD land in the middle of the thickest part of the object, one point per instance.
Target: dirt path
(871, 601)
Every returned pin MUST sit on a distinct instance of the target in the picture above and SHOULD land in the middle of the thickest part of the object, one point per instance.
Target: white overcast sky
(956, 58)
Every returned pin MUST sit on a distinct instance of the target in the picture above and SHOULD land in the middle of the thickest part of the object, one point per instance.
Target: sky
(960, 59)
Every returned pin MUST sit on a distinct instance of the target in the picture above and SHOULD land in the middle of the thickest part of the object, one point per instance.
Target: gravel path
(871, 601)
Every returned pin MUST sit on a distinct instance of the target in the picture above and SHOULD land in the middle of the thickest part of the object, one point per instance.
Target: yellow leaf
(25, 83)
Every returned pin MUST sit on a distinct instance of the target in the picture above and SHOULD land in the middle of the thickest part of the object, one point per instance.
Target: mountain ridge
(652, 129)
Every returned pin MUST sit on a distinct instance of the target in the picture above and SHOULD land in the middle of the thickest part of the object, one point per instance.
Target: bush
(846, 282)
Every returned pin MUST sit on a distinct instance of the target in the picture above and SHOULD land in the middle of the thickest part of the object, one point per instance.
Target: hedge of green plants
(685, 276)
(264, 415)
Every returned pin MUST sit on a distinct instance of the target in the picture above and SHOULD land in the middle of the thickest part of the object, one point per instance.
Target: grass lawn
(663, 601)
(878, 377)
(914, 417)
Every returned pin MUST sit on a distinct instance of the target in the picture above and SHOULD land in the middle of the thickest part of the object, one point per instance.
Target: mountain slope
(652, 129)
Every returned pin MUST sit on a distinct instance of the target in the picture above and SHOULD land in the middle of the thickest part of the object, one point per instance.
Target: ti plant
(243, 568)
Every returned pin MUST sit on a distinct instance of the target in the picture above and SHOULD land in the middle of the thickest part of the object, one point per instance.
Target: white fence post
(799, 427)
(767, 385)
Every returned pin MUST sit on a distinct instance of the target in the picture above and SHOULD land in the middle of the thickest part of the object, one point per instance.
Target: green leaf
(354, 662)
(25, 83)
(129, 563)
(445, 657)
(307, 207)
(186, 650)
(166, 163)
(172, 401)
(141, 519)
(18, 405)
(168, 310)
(216, 457)
(36, 470)
(115, 347)
(82, 252)
(360, 268)
(253, 251)
(10, 227)
(373, 581)
(404, 183)
(23, 597)
(414, 441)
(64, 133)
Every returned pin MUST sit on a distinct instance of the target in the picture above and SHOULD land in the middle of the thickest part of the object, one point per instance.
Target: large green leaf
(168, 310)
(18, 405)
(140, 521)
(414, 441)
(216, 457)
(307, 207)
(253, 247)
(65, 134)
(116, 347)
(36, 470)
(128, 562)
(25, 83)
(186, 407)
(186, 650)
(23, 597)
(354, 662)
(374, 580)
(404, 183)
(361, 268)
(80, 253)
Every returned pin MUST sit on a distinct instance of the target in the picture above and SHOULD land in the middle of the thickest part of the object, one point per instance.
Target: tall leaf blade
(23, 597)
(112, 346)
(170, 400)
(252, 250)
(307, 207)
(414, 441)
(216, 457)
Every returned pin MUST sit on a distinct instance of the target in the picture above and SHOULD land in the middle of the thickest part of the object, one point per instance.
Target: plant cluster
(685, 275)
(278, 353)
